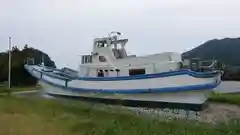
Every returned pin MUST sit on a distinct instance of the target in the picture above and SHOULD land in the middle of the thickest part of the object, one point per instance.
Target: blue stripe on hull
(149, 76)
(136, 77)
(138, 91)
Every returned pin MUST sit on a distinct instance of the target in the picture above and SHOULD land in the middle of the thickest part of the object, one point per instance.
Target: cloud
(65, 28)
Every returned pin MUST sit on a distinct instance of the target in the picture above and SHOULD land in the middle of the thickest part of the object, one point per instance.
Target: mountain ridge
(226, 50)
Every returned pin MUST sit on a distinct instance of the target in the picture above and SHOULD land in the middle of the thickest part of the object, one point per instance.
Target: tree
(25, 46)
(20, 77)
(15, 49)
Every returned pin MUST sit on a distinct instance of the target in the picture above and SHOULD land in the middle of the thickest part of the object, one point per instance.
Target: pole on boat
(9, 63)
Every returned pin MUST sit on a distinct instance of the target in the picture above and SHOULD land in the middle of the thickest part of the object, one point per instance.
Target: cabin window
(90, 59)
(100, 73)
(102, 59)
(117, 70)
(101, 44)
(106, 72)
(136, 71)
(86, 59)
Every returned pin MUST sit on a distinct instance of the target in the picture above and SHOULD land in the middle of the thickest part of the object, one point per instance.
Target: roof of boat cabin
(104, 38)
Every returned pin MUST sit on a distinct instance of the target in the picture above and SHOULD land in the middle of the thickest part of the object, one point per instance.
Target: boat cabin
(109, 58)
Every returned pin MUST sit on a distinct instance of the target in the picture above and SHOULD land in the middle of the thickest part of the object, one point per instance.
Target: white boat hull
(192, 97)
(173, 87)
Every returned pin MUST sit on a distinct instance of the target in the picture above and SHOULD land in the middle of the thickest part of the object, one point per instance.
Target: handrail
(145, 76)
(156, 75)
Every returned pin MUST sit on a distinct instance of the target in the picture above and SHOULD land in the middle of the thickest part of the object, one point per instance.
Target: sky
(65, 29)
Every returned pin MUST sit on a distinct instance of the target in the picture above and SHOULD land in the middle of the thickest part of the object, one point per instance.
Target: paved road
(228, 87)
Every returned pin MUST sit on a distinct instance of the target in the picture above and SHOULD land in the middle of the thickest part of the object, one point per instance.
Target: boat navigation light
(119, 33)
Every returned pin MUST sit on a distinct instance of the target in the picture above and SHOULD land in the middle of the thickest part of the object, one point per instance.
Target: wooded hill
(226, 50)
(19, 76)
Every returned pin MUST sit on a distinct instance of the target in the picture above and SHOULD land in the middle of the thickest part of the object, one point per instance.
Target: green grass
(233, 98)
(29, 88)
(21, 116)
(4, 88)
(5, 91)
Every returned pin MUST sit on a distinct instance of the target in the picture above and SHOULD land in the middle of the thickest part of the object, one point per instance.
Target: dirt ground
(220, 112)
(215, 112)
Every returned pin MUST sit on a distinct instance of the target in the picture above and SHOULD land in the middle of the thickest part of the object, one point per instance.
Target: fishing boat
(108, 73)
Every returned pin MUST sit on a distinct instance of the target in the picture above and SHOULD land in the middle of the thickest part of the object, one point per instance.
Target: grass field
(5, 90)
(22, 116)
(29, 88)
(233, 98)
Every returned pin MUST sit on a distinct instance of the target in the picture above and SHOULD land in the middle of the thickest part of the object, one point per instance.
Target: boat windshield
(101, 43)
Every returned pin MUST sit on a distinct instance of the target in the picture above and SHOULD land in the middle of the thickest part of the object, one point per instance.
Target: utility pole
(9, 63)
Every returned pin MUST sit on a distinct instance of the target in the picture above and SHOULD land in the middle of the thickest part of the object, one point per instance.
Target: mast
(115, 32)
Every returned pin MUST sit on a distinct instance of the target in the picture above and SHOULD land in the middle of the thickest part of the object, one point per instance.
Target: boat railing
(155, 63)
(110, 65)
